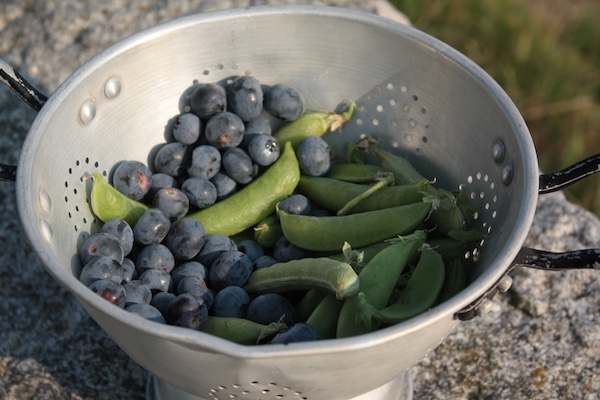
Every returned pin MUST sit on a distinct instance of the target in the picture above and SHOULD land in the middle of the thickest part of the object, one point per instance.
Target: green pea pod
(307, 304)
(240, 330)
(307, 273)
(356, 173)
(333, 194)
(325, 316)
(362, 229)
(268, 231)
(377, 281)
(312, 124)
(455, 280)
(419, 295)
(254, 202)
(108, 203)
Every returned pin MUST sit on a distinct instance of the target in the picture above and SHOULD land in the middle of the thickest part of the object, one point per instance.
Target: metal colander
(423, 99)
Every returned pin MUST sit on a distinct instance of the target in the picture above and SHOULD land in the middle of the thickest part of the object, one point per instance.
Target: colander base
(157, 389)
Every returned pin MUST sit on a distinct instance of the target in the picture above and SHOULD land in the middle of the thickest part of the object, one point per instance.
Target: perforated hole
(255, 389)
(77, 196)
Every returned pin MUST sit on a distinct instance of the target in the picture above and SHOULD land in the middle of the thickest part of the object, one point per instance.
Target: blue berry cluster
(164, 267)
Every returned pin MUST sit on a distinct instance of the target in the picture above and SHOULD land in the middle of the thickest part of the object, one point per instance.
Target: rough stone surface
(541, 340)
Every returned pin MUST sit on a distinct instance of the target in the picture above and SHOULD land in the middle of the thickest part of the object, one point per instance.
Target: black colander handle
(32, 96)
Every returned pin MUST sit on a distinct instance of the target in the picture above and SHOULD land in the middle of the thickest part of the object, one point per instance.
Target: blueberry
(264, 150)
(132, 178)
(196, 286)
(284, 250)
(231, 301)
(146, 311)
(251, 248)
(137, 292)
(101, 244)
(199, 191)
(101, 268)
(129, 271)
(161, 301)
(155, 256)
(299, 332)
(160, 181)
(189, 268)
(186, 238)
(214, 246)
(157, 280)
(245, 97)
(109, 290)
(187, 311)
(151, 227)
(208, 99)
(264, 262)
(232, 268)
(187, 128)
(238, 165)
(224, 130)
(259, 125)
(284, 102)
(206, 162)
(314, 156)
(173, 202)
(120, 229)
(173, 159)
(271, 307)
(224, 184)
(296, 204)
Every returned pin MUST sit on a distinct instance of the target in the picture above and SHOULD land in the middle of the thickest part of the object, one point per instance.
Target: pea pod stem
(361, 229)
(240, 330)
(308, 273)
(254, 202)
(385, 181)
(315, 123)
(419, 295)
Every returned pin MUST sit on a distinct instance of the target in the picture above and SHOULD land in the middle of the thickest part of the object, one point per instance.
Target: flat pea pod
(333, 194)
(268, 231)
(240, 330)
(307, 273)
(361, 229)
(325, 316)
(314, 123)
(356, 173)
(455, 279)
(421, 291)
(107, 202)
(377, 281)
(254, 202)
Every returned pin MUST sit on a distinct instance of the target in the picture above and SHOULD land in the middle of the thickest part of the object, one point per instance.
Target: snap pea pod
(307, 304)
(455, 279)
(307, 273)
(333, 194)
(254, 202)
(419, 295)
(267, 231)
(361, 229)
(356, 173)
(107, 202)
(240, 330)
(377, 281)
(315, 123)
(384, 182)
(455, 243)
(325, 316)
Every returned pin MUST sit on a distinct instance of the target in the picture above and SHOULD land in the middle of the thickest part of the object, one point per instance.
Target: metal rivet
(112, 88)
(508, 171)
(505, 284)
(485, 307)
(87, 112)
(45, 202)
(498, 151)
(46, 230)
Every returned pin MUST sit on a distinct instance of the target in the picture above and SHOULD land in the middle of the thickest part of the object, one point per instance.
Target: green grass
(551, 71)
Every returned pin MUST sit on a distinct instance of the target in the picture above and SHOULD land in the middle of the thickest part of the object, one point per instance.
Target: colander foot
(398, 389)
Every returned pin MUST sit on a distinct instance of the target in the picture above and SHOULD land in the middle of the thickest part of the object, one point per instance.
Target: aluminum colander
(420, 97)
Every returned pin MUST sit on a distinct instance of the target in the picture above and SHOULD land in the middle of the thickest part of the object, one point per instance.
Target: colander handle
(559, 180)
(32, 96)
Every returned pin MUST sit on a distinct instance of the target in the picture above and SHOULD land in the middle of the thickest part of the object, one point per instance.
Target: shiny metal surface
(415, 93)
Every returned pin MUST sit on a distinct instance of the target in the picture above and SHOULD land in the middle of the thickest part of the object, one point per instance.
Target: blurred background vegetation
(546, 56)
